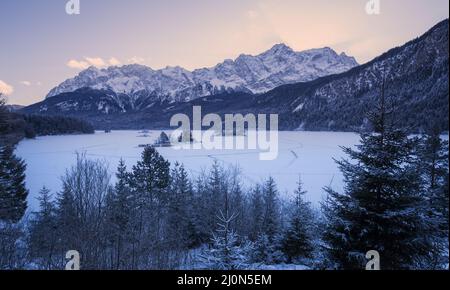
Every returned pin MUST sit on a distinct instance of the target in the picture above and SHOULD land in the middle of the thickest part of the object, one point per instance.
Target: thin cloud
(6, 89)
(26, 83)
(77, 64)
(93, 61)
(96, 61)
(114, 61)
(136, 60)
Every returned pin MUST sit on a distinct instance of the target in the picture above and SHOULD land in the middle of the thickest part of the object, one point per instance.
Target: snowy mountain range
(251, 74)
(416, 81)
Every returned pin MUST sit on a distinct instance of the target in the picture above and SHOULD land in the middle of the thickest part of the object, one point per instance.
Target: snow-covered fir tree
(432, 163)
(13, 193)
(271, 223)
(238, 202)
(119, 206)
(150, 177)
(67, 219)
(381, 207)
(298, 238)
(216, 190)
(181, 231)
(256, 209)
(228, 251)
(43, 239)
(149, 183)
(13, 199)
(268, 247)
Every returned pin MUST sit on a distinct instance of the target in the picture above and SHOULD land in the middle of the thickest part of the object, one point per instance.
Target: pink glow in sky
(41, 45)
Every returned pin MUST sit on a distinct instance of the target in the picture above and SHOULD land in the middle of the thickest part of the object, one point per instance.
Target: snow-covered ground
(309, 154)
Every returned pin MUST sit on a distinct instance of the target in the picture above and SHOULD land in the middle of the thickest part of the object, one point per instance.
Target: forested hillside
(15, 126)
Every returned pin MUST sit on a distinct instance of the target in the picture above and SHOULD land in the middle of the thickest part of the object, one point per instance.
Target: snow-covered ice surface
(309, 154)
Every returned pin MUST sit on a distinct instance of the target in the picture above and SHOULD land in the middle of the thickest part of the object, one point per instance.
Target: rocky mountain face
(253, 74)
(416, 87)
(415, 76)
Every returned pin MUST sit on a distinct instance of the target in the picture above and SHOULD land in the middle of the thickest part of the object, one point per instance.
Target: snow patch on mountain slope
(254, 74)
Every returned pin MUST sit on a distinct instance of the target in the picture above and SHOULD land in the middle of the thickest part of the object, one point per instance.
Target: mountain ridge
(416, 75)
(247, 73)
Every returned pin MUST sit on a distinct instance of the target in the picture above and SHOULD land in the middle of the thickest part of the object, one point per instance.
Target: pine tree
(298, 239)
(433, 160)
(68, 223)
(271, 222)
(151, 176)
(181, 234)
(149, 183)
(119, 207)
(440, 232)
(202, 209)
(432, 163)
(218, 187)
(266, 252)
(66, 214)
(122, 198)
(256, 213)
(227, 252)
(381, 207)
(13, 194)
(216, 195)
(267, 247)
(43, 233)
(238, 205)
(237, 201)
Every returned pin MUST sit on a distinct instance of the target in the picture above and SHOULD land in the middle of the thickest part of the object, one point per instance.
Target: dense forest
(15, 126)
(155, 216)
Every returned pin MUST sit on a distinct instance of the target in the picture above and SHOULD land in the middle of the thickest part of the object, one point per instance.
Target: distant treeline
(56, 125)
(15, 126)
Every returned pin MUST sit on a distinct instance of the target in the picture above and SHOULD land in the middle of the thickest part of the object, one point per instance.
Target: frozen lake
(308, 154)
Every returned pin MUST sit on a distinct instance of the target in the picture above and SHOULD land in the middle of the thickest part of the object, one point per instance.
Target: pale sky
(41, 45)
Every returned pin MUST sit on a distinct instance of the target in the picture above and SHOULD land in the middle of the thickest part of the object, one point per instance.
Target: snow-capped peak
(255, 74)
(280, 48)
